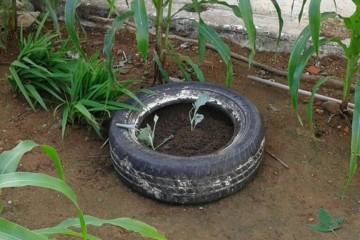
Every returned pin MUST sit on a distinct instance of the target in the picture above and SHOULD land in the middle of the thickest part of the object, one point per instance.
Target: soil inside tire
(213, 133)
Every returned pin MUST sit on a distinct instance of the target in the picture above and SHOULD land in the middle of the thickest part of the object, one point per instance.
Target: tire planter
(188, 180)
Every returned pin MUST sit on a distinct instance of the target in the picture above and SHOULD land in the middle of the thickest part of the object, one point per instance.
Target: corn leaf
(46, 232)
(196, 68)
(140, 18)
(301, 10)
(355, 133)
(314, 21)
(161, 68)
(12, 231)
(21, 179)
(70, 12)
(126, 223)
(311, 100)
(246, 15)
(281, 21)
(210, 36)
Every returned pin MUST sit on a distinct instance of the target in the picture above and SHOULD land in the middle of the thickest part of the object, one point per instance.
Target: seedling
(327, 223)
(146, 134)
(195, 117)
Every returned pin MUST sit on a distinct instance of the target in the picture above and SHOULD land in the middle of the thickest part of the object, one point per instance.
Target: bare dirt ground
(277, 204)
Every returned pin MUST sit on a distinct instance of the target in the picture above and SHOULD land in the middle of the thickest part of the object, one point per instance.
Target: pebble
(331, 107)
(319, 111)
(273, 108)
(185, 45)
(201, 208)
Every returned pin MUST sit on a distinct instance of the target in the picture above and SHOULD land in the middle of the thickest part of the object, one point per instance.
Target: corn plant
(9, 161)
(138, 12)
(301, 53)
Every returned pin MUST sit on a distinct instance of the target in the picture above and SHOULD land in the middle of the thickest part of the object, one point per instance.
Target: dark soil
(210, 135)
(278, 204)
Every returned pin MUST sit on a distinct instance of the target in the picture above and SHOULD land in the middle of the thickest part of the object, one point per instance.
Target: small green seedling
(327, 223)
(195, 117)
(146, 134)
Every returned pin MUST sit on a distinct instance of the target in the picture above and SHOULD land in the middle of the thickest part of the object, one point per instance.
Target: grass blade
(314, 21)
(12, 231)
(21, 86)
(64, 121)
(51, 9)
(301, 10)
(36, 95)
(140, 18)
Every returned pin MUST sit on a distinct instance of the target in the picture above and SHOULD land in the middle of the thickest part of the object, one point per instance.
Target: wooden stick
(277, 159)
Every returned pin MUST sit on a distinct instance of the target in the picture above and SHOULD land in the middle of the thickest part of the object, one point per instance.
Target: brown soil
(277, 204)
(210, 135)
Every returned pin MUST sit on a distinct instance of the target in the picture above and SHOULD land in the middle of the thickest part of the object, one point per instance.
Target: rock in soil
(331, 107)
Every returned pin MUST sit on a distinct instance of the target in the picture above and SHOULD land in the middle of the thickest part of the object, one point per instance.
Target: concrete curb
(222, 20)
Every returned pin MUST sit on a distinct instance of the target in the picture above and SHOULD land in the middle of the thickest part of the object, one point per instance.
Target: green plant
(91, 94)
(327, 223)
(138, 12)
(195, 117)
(42, 66)
(9, 161)
(146, 134)
(301, 53)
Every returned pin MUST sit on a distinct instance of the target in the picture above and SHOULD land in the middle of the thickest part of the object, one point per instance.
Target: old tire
(188, 180)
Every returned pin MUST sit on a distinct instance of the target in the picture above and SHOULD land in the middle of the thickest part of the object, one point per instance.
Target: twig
(276, 71)
(277, 159)
(104, 144)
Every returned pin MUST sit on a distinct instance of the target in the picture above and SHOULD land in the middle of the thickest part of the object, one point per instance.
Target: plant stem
(13, 18)
(159, 46)
(347, 82)
(168, 21)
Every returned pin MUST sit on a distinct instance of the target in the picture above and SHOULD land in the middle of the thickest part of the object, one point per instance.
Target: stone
(331, 107)
(313, 70)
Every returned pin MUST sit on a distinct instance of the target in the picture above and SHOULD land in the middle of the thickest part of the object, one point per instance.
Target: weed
(327, 223)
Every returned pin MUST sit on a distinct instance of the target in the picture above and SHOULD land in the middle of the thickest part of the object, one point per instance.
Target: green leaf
(12, 231)
(21, 179)
(301, 10)
(201, 101)
(140, 18)
(324, 217)
(320, 228)
(21, 86)
(64, 121)
(314, 21)
(311, 100)
(198, 118)
(202, 48)
(246, 14)
(281, 21)
(355, 133)
(161, 68)
(51, 9)
(19, 64)
(9, 160)
(70, 12)
(210, 36)
(196, 68)
(145, 135)
(126, 223)
(110, 38)
(48, 232)
(34, 93)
